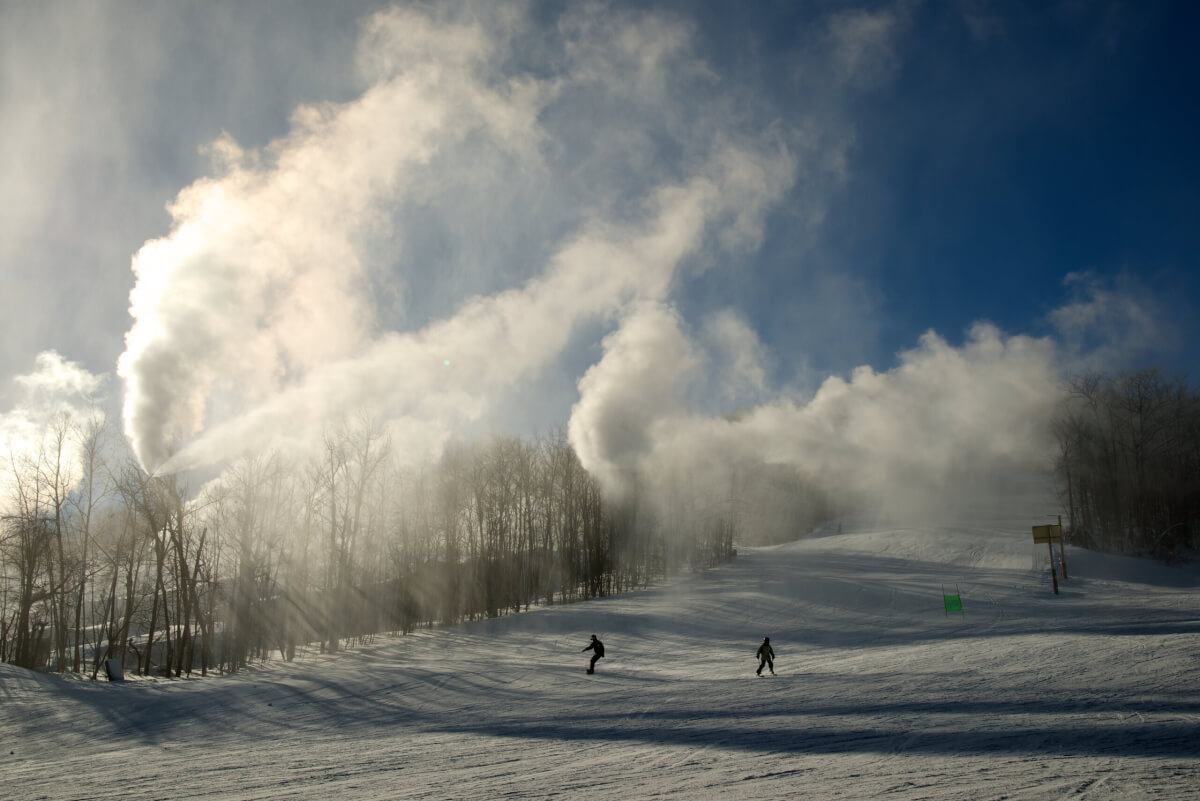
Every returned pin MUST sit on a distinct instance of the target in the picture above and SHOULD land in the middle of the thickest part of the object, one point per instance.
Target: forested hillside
(104, 561)
(1129, 464)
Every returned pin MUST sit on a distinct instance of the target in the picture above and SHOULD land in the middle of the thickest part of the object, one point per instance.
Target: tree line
(99, 560)
(1129, 463)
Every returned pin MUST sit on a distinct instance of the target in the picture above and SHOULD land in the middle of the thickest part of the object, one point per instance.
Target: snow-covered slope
(1094, 693)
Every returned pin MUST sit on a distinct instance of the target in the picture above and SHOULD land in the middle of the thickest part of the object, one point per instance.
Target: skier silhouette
(598, 647)
(766, 656)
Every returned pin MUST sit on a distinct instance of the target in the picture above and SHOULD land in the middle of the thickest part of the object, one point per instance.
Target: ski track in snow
(1093, 694)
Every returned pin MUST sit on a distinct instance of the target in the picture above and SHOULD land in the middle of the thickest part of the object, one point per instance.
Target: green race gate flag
(953, 602)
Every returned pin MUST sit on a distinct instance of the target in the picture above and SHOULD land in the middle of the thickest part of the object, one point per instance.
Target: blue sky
(1059, 144)
(866, 173)
(1049, 139)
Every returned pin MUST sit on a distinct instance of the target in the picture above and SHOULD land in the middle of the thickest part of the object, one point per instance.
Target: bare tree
(90, 493)
(1129, 462)
(28, 542)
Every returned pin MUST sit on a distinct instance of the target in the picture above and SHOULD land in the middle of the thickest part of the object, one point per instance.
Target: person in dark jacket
(598, 648)
(766, 657)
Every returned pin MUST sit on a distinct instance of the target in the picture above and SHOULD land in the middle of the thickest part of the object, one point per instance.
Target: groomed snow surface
(1090, 694)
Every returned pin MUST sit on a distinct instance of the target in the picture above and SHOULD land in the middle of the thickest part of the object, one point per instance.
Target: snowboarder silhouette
(766, 656)
(598, 647)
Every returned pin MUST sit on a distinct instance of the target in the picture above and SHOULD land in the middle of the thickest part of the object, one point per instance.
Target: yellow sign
(1050, 533)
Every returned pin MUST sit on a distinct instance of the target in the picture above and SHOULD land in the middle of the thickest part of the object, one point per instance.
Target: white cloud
(910, 438)
(737, 359)
(640, 381)
(56, 379)
(58, 393)
(254, 318)
(426, 252)
(1110, 324)
(257, 320)
(862, 44)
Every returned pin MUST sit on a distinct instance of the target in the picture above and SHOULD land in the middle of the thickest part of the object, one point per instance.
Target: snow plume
(439, 377)
(942, 424)
(262, 278)
(622, 398)
(652, 377)
(290, 289)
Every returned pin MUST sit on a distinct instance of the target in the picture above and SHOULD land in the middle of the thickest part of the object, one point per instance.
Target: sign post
(1050, 534)
(1062, 550)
